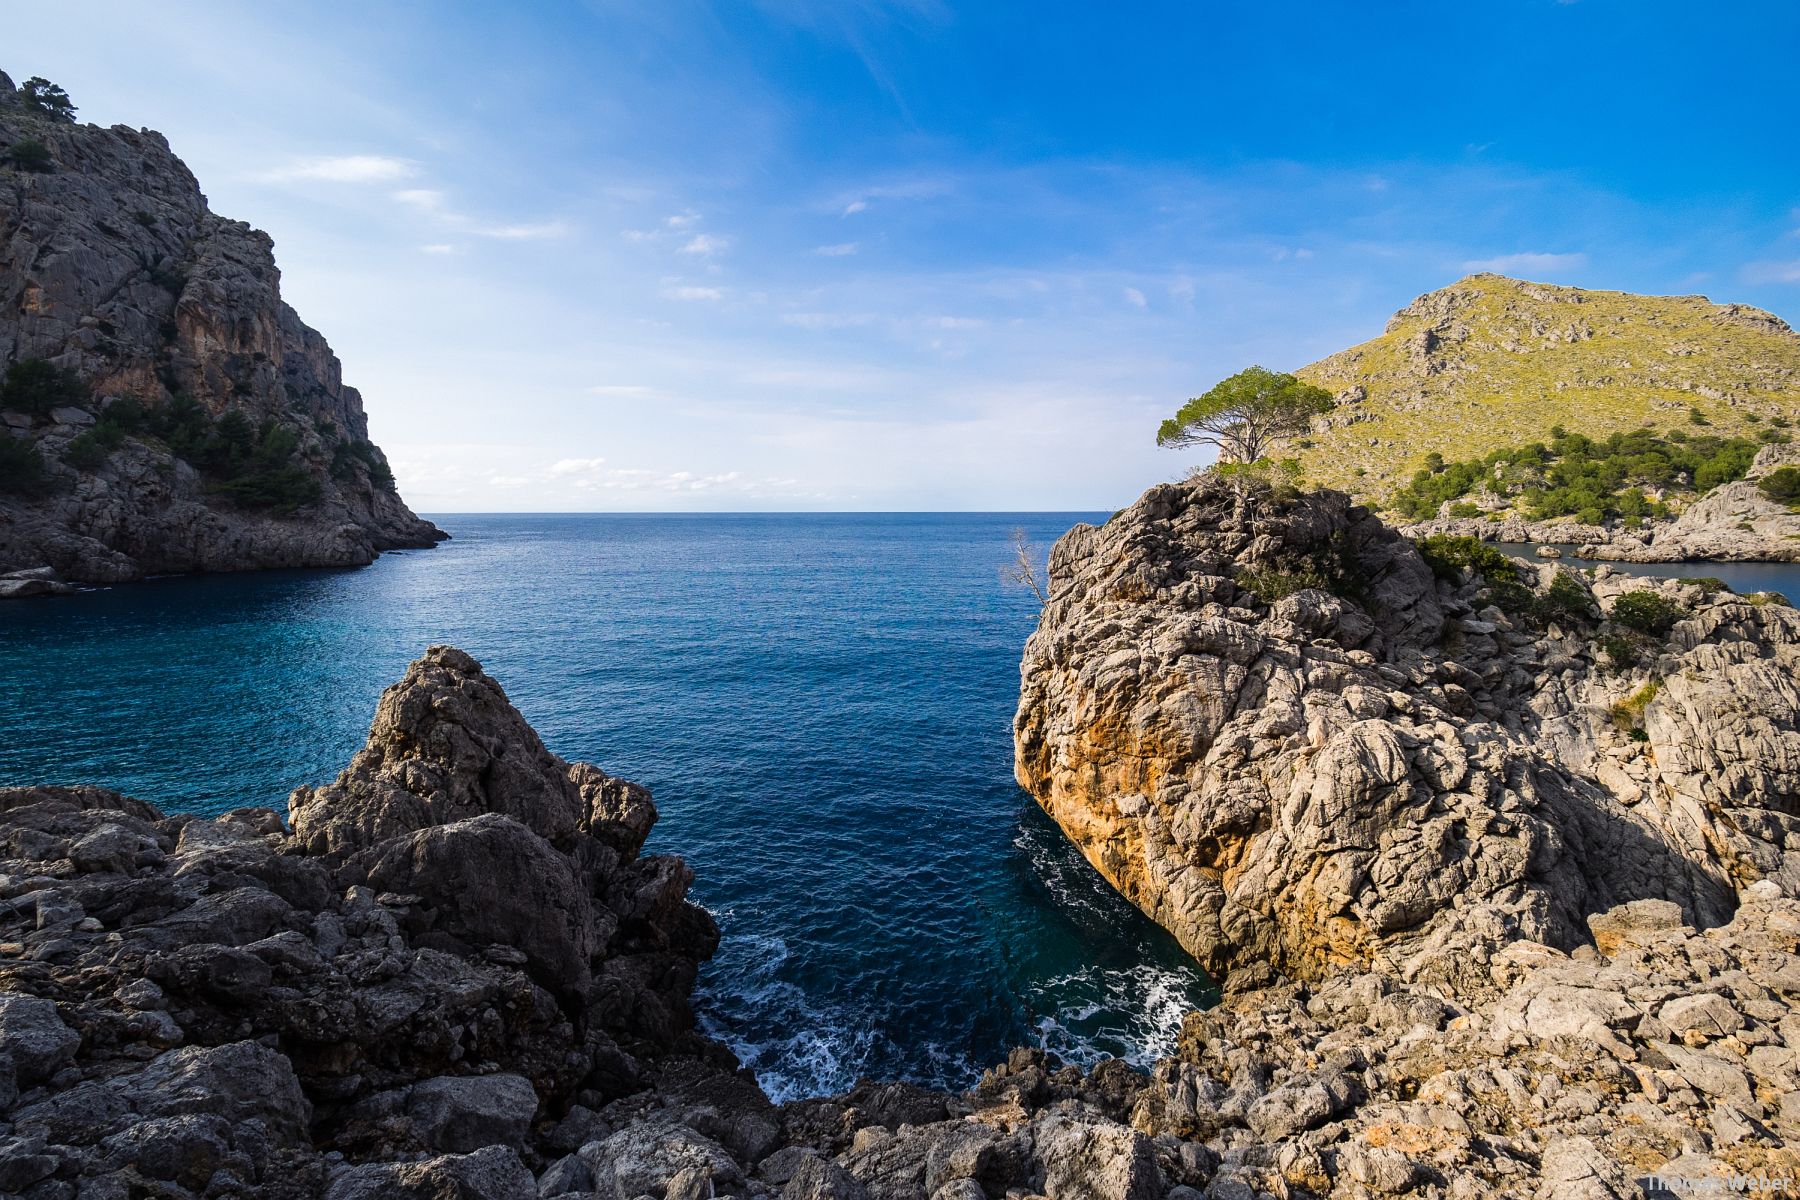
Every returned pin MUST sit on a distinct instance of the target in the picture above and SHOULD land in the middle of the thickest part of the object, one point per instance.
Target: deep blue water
(821, 704)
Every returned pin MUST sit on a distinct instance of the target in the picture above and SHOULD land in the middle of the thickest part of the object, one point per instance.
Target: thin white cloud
(706, 245)
(821, 320)
(344, 168)
(956, 322)
(576, 466)
(424, 199)
(855, 206)
(682, 220)
(1136, 298)
(437, 248)
(839, 250)
(515, 233)
(432, 203)
(691, 292)
(624, 390)
(1772, 272)
(1527, 261)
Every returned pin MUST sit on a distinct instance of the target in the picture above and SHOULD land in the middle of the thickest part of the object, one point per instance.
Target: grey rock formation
(200, 1008)
(1268, 724)
(113, 267)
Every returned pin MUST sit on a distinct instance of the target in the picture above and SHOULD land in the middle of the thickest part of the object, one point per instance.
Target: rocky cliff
(1276, 728)
(164, 409)
(458, 975)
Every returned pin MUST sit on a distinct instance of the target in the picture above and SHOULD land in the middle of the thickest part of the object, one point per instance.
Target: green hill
(1492, 362)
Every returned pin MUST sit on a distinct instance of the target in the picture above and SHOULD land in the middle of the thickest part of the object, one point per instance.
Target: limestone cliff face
(1271, 726)
(113, 267)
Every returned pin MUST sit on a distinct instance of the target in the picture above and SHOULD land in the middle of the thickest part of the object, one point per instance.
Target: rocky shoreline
(1477, 937)
(1732, 523)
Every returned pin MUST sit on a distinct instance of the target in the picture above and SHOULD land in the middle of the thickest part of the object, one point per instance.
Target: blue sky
(921, 254)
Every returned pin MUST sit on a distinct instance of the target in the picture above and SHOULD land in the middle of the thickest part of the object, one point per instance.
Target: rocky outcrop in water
(179, 415)
(1447, 839)
(1275, 730)
(459, 975)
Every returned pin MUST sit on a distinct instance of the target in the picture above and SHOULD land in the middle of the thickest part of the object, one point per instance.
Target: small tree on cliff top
(42, 96)
(1247, 415)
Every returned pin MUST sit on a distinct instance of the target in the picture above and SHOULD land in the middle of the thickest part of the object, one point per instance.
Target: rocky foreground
(183, 416)
(454, 973)
(1484, 819)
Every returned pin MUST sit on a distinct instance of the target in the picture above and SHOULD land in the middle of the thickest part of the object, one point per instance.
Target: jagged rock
(34, 1037)
(1362, 769)
(433, 982)
(220, 1008)
(461, 1113)
(446, 745)
(112, 266)
(493, 1173)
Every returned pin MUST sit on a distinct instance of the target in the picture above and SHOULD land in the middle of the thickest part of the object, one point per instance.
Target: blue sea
(822, 706)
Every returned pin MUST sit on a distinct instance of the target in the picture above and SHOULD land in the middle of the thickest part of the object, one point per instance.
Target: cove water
(821, 705)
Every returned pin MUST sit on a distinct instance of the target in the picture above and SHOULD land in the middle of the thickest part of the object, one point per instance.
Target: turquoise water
(821, 704)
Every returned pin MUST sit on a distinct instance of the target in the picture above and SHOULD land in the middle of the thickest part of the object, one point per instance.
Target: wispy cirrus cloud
(1771, 272)
(839, 250)
(688, 291)
(343, 168)
(431, 202)
(1508, 264)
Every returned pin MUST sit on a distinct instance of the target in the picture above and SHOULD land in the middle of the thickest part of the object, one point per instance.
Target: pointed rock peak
(447, 745)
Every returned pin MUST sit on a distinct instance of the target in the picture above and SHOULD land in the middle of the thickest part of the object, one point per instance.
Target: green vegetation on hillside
(1452, 559)
(1578, 476)
(253, 465)
(21, 468)
(29, 155)
(36, 386)
(1492, 361)
(1781, 485)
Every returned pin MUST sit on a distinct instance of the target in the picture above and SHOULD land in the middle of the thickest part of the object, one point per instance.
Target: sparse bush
(1708, 584)
(1465, 510)
(1270, 584)
(36, 386)
(1447, 555)
(1566, 600)
(252, 465)
(90, 450)
(1622, 650)
(1628, 714)
(22, 468)
(1592, 480)
(30, 155)
(1696, 417)
(1781, 485)
(1649, 613)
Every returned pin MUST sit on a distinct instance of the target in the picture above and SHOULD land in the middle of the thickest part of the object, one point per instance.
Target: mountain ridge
(1491, 361)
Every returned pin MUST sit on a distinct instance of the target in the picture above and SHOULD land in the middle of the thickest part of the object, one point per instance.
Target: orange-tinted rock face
(1268, 725)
